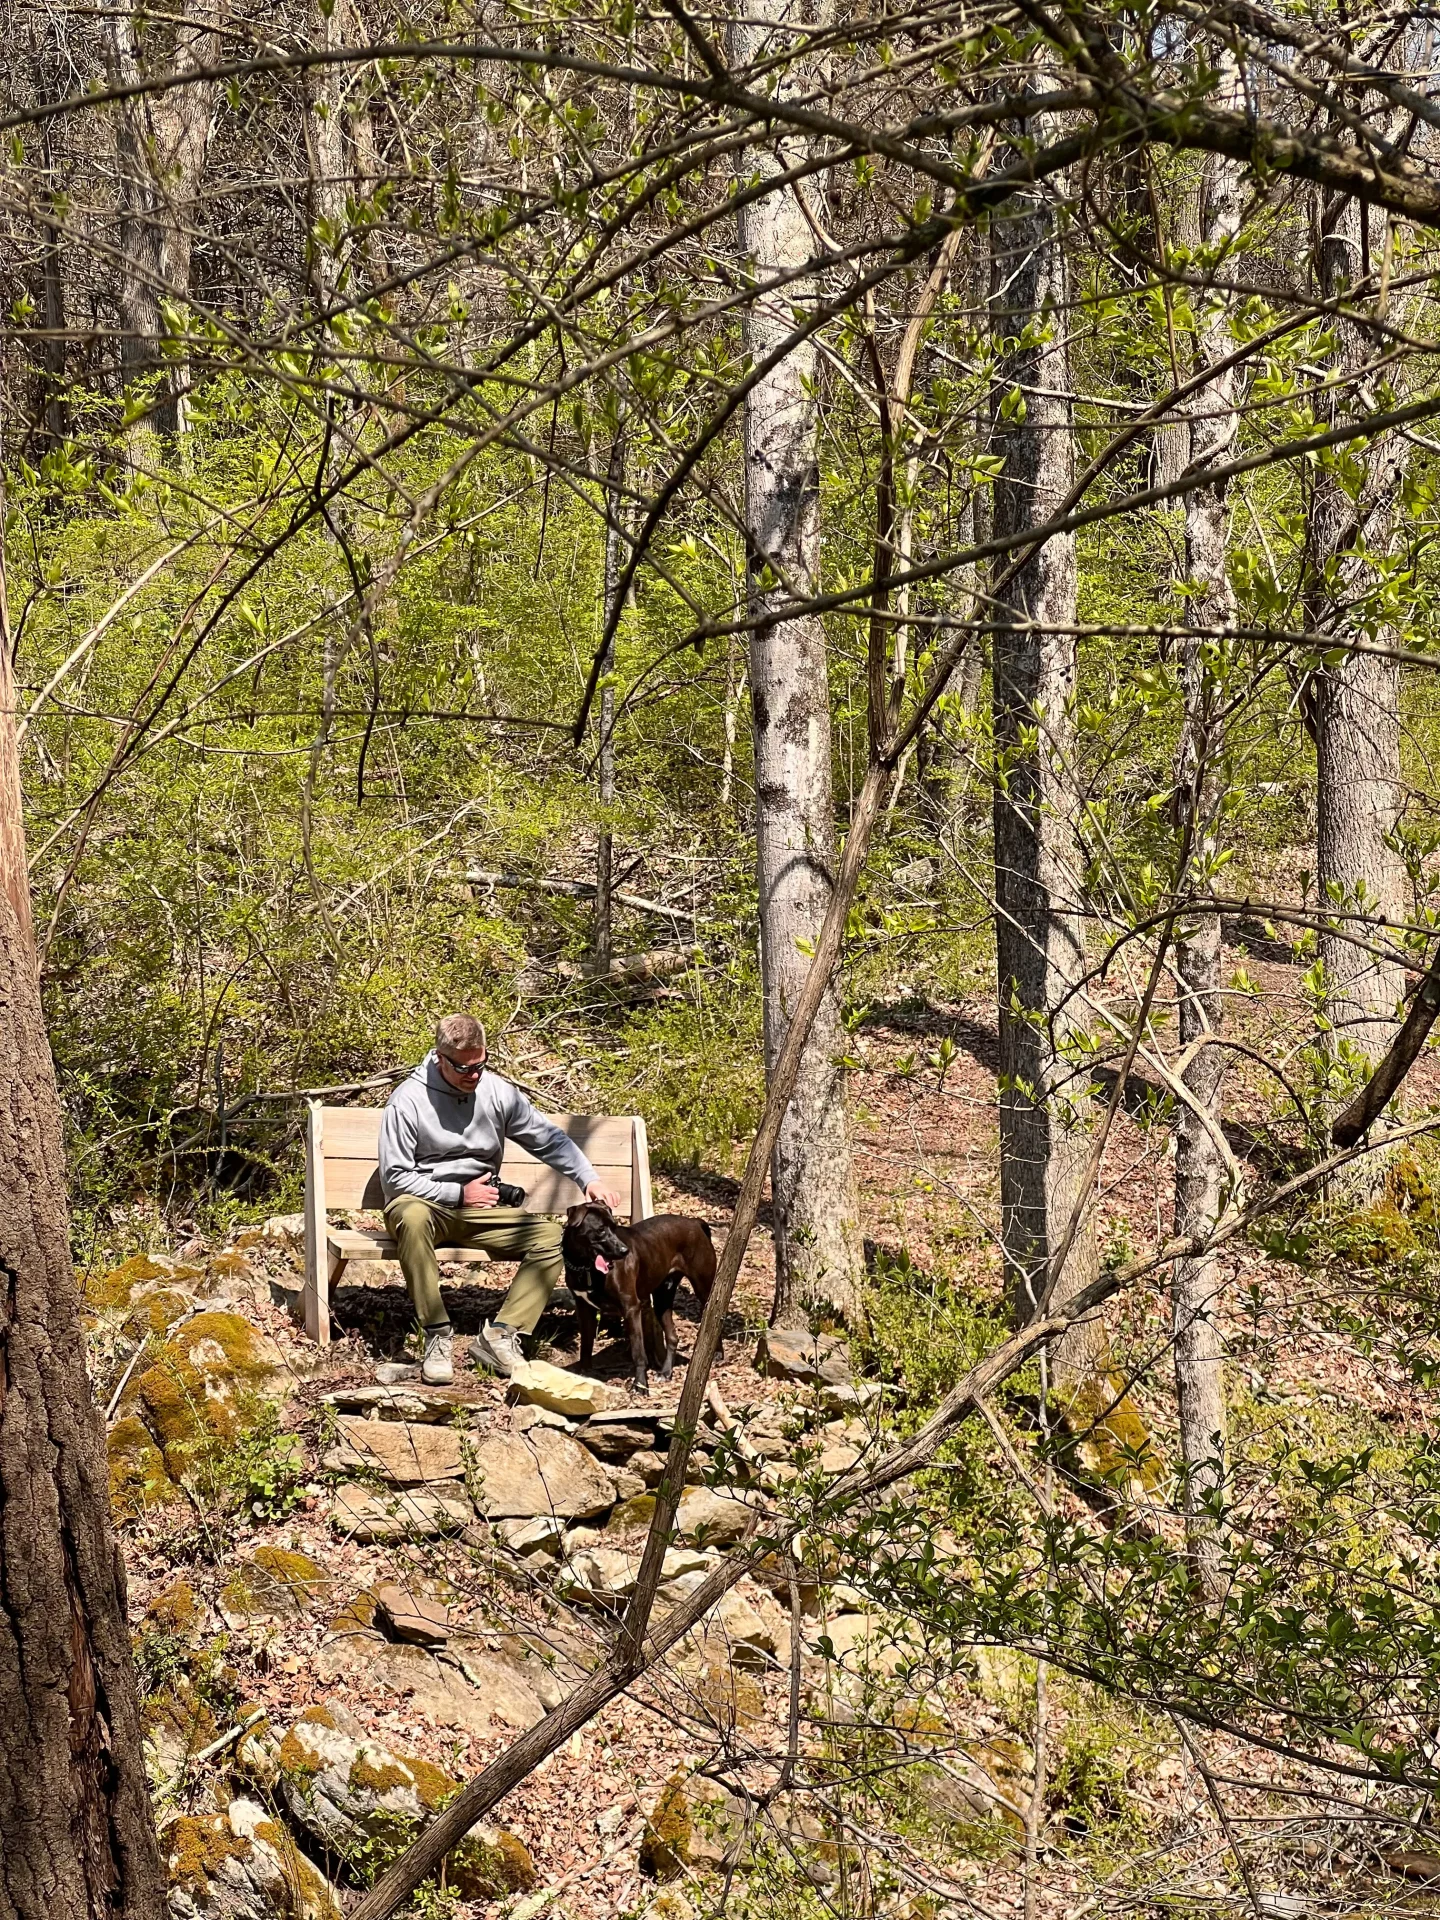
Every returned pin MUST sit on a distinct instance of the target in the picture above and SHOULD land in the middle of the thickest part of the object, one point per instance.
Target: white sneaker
(437, 1369)
(498, 1348)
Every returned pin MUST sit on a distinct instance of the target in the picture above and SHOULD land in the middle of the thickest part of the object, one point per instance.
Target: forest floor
(227, 1625)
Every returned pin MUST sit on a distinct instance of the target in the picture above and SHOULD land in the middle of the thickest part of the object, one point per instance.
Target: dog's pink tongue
(602, 1265)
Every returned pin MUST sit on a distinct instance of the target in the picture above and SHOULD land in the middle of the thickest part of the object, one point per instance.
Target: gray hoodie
(433, 1139)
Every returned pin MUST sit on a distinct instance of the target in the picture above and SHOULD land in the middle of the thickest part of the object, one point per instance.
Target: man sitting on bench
(442, 1144)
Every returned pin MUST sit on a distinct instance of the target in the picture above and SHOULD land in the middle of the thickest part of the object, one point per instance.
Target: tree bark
(1040, 908)
(605, 767)
(817, 1244)
(1199, 1353)
(1356, 710)
(161, 144)
(77, 1839)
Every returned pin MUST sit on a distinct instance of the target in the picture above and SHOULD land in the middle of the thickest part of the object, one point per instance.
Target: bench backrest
(342, 1147)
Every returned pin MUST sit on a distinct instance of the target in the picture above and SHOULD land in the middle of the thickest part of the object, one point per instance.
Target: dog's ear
(574, 1215)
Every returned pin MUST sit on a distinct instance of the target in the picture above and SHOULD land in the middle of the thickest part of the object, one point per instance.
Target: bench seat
(373, 1243)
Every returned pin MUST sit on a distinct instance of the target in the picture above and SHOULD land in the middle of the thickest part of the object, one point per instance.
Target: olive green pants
(506, 1233)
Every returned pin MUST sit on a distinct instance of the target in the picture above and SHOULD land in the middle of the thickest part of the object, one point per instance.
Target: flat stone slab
(391, 1403)
(404, 1452)
(794, 1353)
(536, 1383)
(387, 1518)
(615, 1439)
(410, 1616)
(520, 1475)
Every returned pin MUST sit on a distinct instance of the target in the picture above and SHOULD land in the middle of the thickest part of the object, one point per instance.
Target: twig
(235, 1733)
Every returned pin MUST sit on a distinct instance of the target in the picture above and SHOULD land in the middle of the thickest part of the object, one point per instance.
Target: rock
(709, 1518)
(467, 1688)
(230, 1276)
(520, 1475)
(542, 1534)
(242, 1865)
(401, 1451)
(728, 1696)
(615, 1440)
(665, 1845)
(273, 1585)
(364, 1802)
(537, 1383)
(849, 1396)
(176, 1723)
(388, 1518)
(526, 1418)
(624, 1485)
(174, 1610)
(735, 1632)
(391, 1403)
(916, 876)
(154, 1310)
(631, 1514)
(512, 1689)
(597, 1577)
(138, 1477)
(286, 1229)
(356, 1616)
(793, 1353)
(410, 1616)
(838, 1458)
(199, 1394)
(108, 1292)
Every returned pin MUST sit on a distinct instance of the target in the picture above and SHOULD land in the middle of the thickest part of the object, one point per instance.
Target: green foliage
(263, 1472)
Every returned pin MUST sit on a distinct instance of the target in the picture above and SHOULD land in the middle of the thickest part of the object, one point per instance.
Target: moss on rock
(106, 1292)
(139, 1479)
(1107, 1437)
(205, 1385)
(485, 1867)
(199, 1848)
(274, 1581)
(669, 1833)
(155, 1312)
(356, 1616)
(174, 1610)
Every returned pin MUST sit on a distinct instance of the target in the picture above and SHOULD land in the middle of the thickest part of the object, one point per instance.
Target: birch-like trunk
(818, 1259)
(1199, 1167)
(161, 144)
(1040, 907)
(1356, 707)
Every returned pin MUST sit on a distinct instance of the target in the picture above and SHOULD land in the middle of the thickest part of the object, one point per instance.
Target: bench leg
(323, 1274)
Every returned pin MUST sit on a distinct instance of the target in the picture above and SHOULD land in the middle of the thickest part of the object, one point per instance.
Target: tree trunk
(161, 144)
(1199, 1168)
(605, 768)
(1356, 710)
(1040, 908)
(77, 1841)
(817, 1243)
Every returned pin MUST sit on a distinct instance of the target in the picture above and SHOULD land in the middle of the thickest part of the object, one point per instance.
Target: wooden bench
(342, 1147)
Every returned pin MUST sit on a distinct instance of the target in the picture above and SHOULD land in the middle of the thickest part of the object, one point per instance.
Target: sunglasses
(472, 1072)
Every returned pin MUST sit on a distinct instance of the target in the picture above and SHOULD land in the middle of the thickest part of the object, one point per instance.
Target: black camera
(508, 1194)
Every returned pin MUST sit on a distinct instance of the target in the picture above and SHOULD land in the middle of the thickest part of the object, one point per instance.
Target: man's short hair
(460, 1033)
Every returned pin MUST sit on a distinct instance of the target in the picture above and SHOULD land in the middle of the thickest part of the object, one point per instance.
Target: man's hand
(602, 1196)
(479, 1192)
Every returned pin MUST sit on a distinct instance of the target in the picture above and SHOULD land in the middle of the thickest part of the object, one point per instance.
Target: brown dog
(639, 1270)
